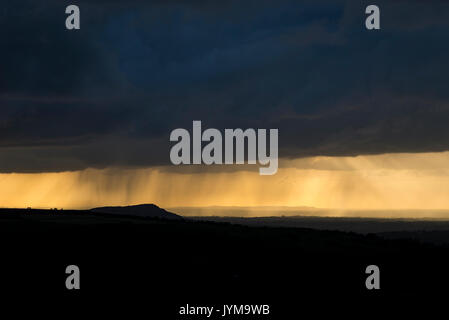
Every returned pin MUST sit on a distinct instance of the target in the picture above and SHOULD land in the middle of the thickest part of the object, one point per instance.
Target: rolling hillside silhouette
(160, 259)
(142, 210)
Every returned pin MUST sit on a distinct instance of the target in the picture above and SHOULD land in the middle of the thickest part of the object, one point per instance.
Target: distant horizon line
(232, 206)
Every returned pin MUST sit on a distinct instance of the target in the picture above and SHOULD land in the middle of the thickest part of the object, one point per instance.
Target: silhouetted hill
(129, 260)
(162, 264)
(438, 237)
(347, 224)
(141, 210)
(421, 230)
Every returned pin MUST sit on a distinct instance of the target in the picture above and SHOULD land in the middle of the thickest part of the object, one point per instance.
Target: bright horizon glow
(377, 182)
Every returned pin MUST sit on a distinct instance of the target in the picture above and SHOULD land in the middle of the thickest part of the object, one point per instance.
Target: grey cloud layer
(110, 93)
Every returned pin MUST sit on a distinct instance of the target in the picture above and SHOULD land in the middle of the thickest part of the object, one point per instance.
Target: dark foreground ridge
(423, 230)
(161, 264)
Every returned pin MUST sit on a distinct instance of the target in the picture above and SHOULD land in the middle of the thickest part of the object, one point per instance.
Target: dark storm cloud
(110, 93)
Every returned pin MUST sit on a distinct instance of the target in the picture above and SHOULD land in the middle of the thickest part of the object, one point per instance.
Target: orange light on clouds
(379, 182)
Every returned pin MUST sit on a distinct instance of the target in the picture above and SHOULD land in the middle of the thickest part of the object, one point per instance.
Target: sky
(85, 115)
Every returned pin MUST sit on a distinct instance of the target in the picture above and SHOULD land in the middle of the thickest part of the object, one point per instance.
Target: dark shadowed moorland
(151, 256)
